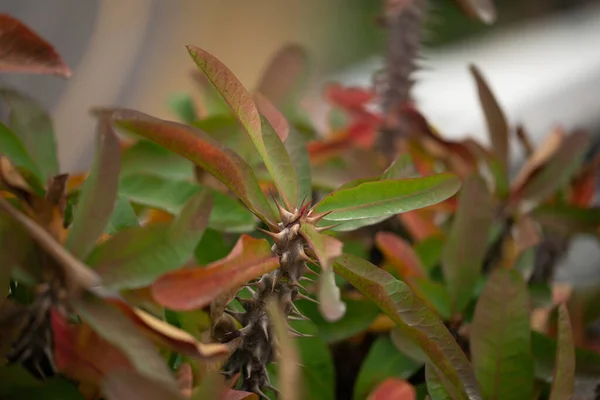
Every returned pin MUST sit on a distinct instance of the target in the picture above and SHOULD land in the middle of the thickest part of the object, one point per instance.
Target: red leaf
(348, 98)
(192, 288)
(400, 254)
(22, 50)
(393, 389)
(273, 115)
(419, 224)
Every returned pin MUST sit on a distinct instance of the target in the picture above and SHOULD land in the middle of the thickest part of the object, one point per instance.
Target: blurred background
(541, 57)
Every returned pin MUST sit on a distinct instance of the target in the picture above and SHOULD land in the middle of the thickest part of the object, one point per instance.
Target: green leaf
(326, 247)
(568, 220)
(212, 247)
(296, 148)
(587, 363)
(383, 361)
(14, 247)
(14, 150)
(434, 294)
(266, 140)
(501, 340)
(466, 245)
(147, 157)
(33, 126)
(51, 389)
(559, 170)
(563, 384)
(228, 215)
(110, 323)
(430, 251)
(135, 257)
(495, 118)
(202, 150)
(122, 217)
(406, 345)
(435, 384)
(359, 316)
(98, 195)
(388, 197)
(182, 105)
(402, 167)
(416, 319)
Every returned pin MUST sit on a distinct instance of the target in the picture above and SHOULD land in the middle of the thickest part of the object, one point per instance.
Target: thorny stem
(403, 20)
(257, 348)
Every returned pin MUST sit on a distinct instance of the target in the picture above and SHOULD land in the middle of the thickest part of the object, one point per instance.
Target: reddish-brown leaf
(348, 98)
(283, 73)
(24, 51)
(563, 384)
(273, 115)
(393, 389)
(400, 254)
(192, 288)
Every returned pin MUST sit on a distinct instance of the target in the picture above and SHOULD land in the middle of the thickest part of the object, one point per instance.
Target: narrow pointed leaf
(78, 274)
(466, 245)
(288, 363)
(267, 142)
(559, 169)
(330, 303)
(228, 214)
(276, 119)
(416, 319)
(500, 338)
(24, 51)
(282, 74)
(563, 384)
(125, 385)
(145, 157)
(117, 329)
(123, 217)
(296, 148)
(204, 151)
(98, 195)
(135, 257)
(326, 247)
(13, 149)
(495, 118)
(32, 124)
(387, 197)
(192, 288)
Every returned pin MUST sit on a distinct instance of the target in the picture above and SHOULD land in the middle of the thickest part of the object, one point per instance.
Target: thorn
(260, 393)
(292, 318)
(285, 215)
(246, 303)
(279, 238)
(305, 278)
(239, 316)
(250, 289)
(302, 296)
(298, 313)
(303, 256)
(313, 219)
(265, 327)
(266, 374)
(248, 371)
(325, 228)
(293, 331)
(269, 385)
(300, 335)
(298, 285)
(305, 206)
(310, 271)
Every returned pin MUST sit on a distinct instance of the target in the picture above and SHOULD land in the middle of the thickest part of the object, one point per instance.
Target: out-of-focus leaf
(14, 150)
(191, 288)
(415, 318)
(435, 386)
(146, 157)
(564, 219)
(494, 116)
(400, 254)
(126, 384)
(587, 363)
(18, 383)
(77, 274)
(136, 256)
(388, 197)
(113, 326)
(211, 387)
(466, 246)
(563, 384)
(197, 146)
(98, 195)
(407, 346)
(359, 315)
(393, 389)
(24, 51)
(559, 169)
(32, 124)
(296, 148)
(14, 247)
(430, 251)
(330, 303)
(326, 247)
(420, 225)
(122, 217)
(402, 167)
(433, 293)
(275, 118)
(283, 73)
(182, 105)
(227, 215)
(500, 338)
(383, 361)
(484, 10)
(266, 140)
(212, 247)
(288, 369)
